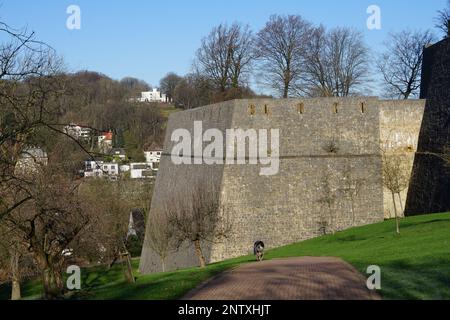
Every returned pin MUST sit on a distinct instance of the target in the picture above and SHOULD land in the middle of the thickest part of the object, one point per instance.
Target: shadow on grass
(30, 289)
(158, 286)
(414, 280)
(351, 238)
(414, 265)
(410, 224)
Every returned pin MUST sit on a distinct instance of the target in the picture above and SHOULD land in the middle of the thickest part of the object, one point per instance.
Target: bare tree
(49, 223)
(401, 63)
(185, 94)
(12, 256)
(396, 175)
(134, 86)
(280, 47)
(105, 238)
(318, 82)
(168, 84)
(38, 204)
(194, 90)
(337, 62)
(443, 20)
(351, 189)
(241, 48)
(225, 55)
(198, 217)
(30, 95)
(327, 200)
(160, 235)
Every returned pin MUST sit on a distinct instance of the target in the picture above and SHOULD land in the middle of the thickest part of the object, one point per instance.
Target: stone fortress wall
(329, 179)
(400, 123)
(429, 189)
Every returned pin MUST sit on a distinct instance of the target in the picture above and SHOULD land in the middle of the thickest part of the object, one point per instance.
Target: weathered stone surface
(429, 188)
(400, 122)
(289, 206)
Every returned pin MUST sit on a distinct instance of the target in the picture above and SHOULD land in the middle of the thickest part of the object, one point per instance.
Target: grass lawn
(414, 265)
(166, 110)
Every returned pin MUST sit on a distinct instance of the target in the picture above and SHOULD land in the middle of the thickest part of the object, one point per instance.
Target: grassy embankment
(414, 265)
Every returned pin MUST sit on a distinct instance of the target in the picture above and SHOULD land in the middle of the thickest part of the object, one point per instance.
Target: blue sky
(147, 39)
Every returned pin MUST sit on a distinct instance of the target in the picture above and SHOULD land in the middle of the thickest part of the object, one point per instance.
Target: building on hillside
(118, 154)
(93, 168)
(78, 132)
(110, 169)
(105, 141)
(141, 170)
(30, 160)
(124, 168)
(153, 157)
(153, 96)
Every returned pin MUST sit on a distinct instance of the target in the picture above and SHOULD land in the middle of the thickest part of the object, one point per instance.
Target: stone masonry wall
(315, 191)
(175, 181)
(400, 122)
(429, 190)
(292, 205)
(330, 175)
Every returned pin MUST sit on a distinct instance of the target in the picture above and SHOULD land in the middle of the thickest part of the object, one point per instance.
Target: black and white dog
(258, 250)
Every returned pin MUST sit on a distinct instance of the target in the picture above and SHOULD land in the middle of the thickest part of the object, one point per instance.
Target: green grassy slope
(414, 265)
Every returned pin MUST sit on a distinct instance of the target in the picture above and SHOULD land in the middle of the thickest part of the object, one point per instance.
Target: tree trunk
(235, 81)
(199, 253)
(129, 268)
(286, 91)
(15, 281)
(397, 228)
(53, 284)
(332, 229)
(163, 265)
(15, 290)
(353, 213)
(116, 256)
(401, 203)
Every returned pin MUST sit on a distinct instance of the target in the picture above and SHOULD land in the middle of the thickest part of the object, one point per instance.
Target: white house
(78, 132)
(99, 169)
(141, 170)
(153, 96)
(118, 153)
(105, 141)
(153, 156)
(111, 169)
(124, 168)
(30, 160)
(93, 168)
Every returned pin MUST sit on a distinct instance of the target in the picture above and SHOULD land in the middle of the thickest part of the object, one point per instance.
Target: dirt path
(306, 278)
